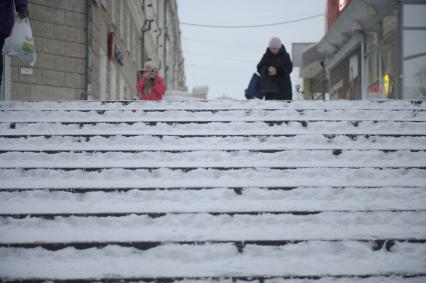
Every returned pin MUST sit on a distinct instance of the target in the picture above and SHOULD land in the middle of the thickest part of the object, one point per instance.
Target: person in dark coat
(7, 17)
(275, 68)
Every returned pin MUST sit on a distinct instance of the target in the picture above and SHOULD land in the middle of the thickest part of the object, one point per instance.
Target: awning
(311, 62)
(358, 16)
(345, 51)
(344, 35)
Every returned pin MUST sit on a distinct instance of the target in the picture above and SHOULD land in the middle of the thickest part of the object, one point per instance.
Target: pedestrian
(7, 18)
(150, 86)
(275, 68)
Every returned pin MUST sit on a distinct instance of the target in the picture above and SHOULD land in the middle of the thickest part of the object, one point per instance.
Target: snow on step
(298, 158)
(165, 177)
(207, 227)
(199, 177)
(327, 279)
(217, 200)
(147, 142)
(214, 105)
(213, 115)
(314, 259)
(217, 128)
(391, 278)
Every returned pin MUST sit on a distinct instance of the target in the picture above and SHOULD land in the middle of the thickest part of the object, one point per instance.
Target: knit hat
(149, 64)
(275, 42)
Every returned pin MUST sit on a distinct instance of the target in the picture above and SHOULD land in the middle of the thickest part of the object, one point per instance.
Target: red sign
(334, 10)
(343, 4)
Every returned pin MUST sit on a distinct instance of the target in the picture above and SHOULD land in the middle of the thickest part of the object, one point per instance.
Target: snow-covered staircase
(215, 191)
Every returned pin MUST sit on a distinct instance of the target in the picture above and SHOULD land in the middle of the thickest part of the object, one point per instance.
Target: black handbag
(268, 84)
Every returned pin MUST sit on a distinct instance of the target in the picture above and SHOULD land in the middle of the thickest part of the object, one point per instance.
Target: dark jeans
(2, 38)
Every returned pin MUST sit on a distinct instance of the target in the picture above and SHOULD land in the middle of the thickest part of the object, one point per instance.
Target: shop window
(390, 57)
(414, 51)
(374, 90)
(345, 78)
(414, 15)
(415, 64)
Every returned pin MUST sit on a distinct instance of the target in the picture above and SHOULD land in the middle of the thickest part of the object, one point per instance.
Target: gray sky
(225, 59)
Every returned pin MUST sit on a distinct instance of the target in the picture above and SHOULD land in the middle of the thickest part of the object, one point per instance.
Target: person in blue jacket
(275, 68)
(7, 18)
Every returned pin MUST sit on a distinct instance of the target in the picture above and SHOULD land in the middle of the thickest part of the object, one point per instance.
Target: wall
(59, 35)
(60, 31)
(118, 17)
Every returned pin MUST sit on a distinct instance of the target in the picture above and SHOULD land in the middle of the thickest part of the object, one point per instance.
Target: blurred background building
(94, 49)
(372, 49)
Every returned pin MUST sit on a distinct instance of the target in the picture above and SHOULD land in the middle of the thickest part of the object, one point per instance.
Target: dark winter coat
(7, 15)
(281, 61)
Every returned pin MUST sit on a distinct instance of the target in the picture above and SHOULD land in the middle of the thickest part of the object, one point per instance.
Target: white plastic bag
(20, 43)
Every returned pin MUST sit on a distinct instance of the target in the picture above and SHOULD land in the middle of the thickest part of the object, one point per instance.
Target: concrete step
(215, 260)
(217, 128)
(208, 177)
(167, 142)
(203, 159)
(213, 199)
(213, 226)
(365, 278)
(213, 191)
(209, 115)
(214, 105)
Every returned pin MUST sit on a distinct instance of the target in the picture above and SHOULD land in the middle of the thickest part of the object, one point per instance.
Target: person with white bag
(7, 18)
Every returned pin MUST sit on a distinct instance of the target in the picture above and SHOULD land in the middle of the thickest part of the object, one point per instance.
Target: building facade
(95, 49)
(372, 49)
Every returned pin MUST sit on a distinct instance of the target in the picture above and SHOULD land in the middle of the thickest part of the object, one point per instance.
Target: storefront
(375, 49)
(383, 58)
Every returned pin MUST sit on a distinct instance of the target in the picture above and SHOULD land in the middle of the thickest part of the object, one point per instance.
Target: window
(414, 54)
(414, 16)
(113, 11)
(102, 74)
(122, 88)
(389, 61)
(135, 45)
(373, 65)
(122, 19)
(113, 82)
(103, 4)
(128, 34)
